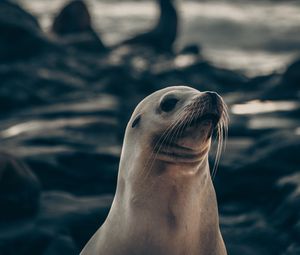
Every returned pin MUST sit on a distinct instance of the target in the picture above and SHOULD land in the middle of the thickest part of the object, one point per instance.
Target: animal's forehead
(154, 98)
(177, 90)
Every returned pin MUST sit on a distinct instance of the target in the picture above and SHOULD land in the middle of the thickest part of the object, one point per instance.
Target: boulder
(291, 77)
(21, 36)
(19, 189)
(74, 25)
(63, 225)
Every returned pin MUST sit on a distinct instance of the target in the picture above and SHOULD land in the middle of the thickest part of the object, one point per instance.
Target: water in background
(256, 38)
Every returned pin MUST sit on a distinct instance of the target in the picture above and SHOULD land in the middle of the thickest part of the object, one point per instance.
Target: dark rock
(237, 249)
(270, 186)
(203, 76)
(21, 36)
(291, 77)
(89, 42)
(73, 24)
(24, 86)
(281, 87)
(293, 249)
(264, 84)
(19, 189)
(62, 245)
(285, 213)
(73, 18)
(33, 241)
(80, 217)
(267, 160)
(191, 49)
(78, 172)
(63, 225)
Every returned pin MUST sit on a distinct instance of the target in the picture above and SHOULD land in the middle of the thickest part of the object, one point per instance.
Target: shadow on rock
(19, 189)
(21, 36)
(63, 226)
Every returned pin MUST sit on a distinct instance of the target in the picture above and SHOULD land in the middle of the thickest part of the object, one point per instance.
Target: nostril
(213, 95)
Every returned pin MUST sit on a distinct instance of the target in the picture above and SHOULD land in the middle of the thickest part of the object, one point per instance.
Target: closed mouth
(175, 152)
(213, 117)
(171, 151)
(174, 147)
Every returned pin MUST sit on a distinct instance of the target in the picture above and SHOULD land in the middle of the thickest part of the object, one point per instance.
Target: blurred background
(71, 73)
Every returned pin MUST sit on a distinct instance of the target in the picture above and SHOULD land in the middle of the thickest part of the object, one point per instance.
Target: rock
(19, 189)
(291, 77)
(63, 225)
(33, 241)
(293, 249)
(21, 36)
(285, 213)
(193, 49)
(267, 160)
(27, 86)
(278, 151)
(73, 18)
(237, 249)
(62, 245)
(203, 76)
(77, 172)
(78, 216)
(73, 24)
(89, 42)
(280, 87)
(263, 179)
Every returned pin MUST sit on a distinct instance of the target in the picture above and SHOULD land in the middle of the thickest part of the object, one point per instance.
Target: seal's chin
(175, 153)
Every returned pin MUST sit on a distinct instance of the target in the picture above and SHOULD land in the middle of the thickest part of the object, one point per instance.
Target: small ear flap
(136, 121)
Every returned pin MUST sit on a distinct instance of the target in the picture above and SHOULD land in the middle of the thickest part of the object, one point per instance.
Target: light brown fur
(163, 205)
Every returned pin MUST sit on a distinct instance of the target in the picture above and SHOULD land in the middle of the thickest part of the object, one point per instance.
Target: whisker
(222, 134)
(158, 146)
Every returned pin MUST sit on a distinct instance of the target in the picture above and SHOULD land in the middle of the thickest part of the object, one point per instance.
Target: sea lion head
(175, 126)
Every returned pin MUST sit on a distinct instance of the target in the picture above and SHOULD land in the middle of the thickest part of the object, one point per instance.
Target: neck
(177, 209)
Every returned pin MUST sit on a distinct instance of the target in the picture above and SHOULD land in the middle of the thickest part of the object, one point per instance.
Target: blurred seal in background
(163, 35)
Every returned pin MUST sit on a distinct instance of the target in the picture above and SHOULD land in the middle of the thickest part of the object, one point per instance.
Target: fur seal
(163, 35)
(165, 203)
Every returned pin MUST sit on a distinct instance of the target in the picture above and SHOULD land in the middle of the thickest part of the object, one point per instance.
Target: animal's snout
(214, 97)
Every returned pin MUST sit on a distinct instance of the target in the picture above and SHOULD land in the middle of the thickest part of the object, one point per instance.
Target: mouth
(176, 153)
(188, 143)
(208, 117)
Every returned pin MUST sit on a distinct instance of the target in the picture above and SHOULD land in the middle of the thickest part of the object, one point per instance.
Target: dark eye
(168, 104)
(136, 121)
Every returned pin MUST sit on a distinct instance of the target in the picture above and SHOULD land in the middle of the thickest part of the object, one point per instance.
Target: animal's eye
(168, 104)
(136, 121)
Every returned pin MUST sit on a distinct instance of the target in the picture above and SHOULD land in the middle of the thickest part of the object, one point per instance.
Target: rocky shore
(65, 99)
